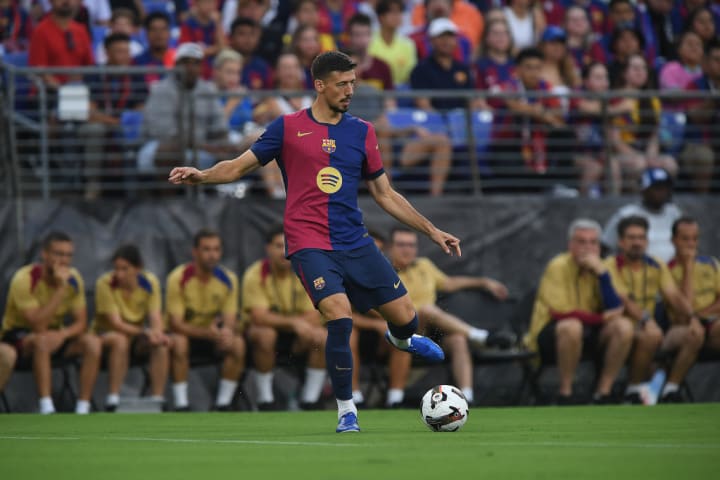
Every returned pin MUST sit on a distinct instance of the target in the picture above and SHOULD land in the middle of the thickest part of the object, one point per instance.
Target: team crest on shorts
(319, 283)
(328, 145)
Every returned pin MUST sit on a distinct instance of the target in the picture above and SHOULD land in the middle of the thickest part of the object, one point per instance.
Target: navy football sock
(339, 357)
(403, 332)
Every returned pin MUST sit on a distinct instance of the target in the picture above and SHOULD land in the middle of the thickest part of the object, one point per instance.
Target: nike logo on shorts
(396, 285)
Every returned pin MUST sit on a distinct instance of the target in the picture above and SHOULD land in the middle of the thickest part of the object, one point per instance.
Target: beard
(65, 11)
(339, 108)
(635, 254)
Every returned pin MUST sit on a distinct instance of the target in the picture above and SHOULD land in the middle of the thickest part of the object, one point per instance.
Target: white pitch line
(184, 440)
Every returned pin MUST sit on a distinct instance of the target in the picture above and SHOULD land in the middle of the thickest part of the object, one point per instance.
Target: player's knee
(264, 338)
(569, 330)
(238, 347)
(91, 345)
(42, 343)
(180, 345)
(119, 342)
(623, 328)
(8, 355)
(695, 337)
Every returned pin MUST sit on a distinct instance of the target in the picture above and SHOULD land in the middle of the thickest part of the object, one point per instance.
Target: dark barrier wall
(509, 238)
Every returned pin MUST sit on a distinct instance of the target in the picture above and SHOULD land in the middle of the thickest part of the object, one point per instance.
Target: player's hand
(497, 289)
(185, 176)
(592, 262)
(449, 243)
(225, 339)
(61, 273)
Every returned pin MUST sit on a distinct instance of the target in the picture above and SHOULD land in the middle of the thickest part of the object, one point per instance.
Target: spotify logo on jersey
(329, 180)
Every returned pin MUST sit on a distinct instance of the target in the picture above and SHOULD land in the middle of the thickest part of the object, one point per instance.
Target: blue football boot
(348, 423)
(421, 346)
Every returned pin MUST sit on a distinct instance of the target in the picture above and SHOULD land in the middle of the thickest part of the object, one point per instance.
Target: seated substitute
(698, 277)
(279, 311)
(577, 308)
(640, 280)
(40, 298)
(125, 298)
(202, 305)
(423, 280)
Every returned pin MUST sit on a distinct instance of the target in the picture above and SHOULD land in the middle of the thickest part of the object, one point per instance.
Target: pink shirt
(675, 76)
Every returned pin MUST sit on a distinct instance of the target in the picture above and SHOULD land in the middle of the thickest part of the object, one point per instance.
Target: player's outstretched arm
(222, 172)
(398, 206)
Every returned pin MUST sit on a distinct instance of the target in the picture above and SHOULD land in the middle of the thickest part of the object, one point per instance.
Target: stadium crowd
(631, 309)
(230, 49)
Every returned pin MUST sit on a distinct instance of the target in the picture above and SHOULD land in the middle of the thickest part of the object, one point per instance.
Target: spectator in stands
(136, 6)
(522, 125)
(122, 21)
(423, 280)
(203, 28)
(41, 298)
(464, 50)
(387, 44)
(465, 15)
(681, 11)
(167, 121)
(698, 277)
(702, 134)
(595, 13)
(558, 68)
(158, 52)
(676, 74)
(305, 12)
(202, 305)
(15, 27)
(441, 71)
(592, 132)
(657, 29)
(305, 44)
(620, 13)
(527, 22)
(582, 41)
(577, 309)
(496, 65)
(639, 280)
(624, 42)
(237, 106)
(334, 15)
(128, 320)
(702, 22)
(110, 96)
(59, 41)
(657, 207)
(281, 316)
(636, 139)
(244, 38)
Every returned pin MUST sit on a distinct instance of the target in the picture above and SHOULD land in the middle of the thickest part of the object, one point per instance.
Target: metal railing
(49, 150)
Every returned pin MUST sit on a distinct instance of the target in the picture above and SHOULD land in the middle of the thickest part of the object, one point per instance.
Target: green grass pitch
(620, 442)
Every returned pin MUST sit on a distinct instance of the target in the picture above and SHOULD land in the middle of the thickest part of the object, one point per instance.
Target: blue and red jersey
(256, 74)
(322, 166)
(191, 30)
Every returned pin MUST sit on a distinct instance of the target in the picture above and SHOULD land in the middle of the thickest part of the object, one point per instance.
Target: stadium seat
(99, 32)
(409, 117)
(481, 128)
(131, 123)
(17, 59)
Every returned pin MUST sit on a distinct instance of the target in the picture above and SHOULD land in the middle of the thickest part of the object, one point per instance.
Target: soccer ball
(444, 409)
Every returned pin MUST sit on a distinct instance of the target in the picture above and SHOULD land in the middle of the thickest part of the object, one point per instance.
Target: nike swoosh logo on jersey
(302, 134)
(396, 285)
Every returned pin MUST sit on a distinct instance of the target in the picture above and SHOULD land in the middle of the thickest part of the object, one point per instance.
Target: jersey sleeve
(666, 278)
(230, 307)
(174, 302)
(434, 274)
(253, 295)
(20, 293)
(617, 280)
(104, 301)
(269, 145)
(373, 165)
(155, 303)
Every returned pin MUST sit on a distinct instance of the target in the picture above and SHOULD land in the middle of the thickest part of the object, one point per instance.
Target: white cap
(440, 26)
(189, 50)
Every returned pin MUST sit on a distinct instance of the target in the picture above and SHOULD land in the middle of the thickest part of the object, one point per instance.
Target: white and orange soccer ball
(444, 409)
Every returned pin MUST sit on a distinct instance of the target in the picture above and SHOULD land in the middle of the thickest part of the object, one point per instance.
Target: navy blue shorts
(364, 274)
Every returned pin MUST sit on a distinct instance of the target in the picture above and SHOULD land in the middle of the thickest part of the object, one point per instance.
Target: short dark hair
(243, 22)
(156, 16)
(400, 229)
(273, 232)
(713, 44)
(299, 3)
(329, 62)
(528, 52)
(684, 220)
(616, 2)
(130, 253)
(204, 233)
(55, 236)
(632, 221)
(358, 19)
(384, 6)
(115, 38)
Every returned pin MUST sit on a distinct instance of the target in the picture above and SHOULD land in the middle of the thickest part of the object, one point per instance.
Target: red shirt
(50, 46)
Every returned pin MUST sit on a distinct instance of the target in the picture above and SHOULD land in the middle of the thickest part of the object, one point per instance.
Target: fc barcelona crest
(319, 283)
(328, 145)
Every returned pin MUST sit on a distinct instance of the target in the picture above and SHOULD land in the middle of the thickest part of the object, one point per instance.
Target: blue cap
(553, 34)
(655, 176)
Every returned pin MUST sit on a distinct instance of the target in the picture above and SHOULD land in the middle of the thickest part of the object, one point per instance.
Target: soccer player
(578, 308)
(698, 277)
(41, 296)
(640, 280)
(202, 305)
(423, 280)
(278, 310)
(324, 154)
(124, 298)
